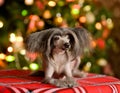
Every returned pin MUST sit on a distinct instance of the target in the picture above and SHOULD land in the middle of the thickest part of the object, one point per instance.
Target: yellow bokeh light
(110, 23)
(102, 62)
(29, 2)
(19, 38)
(47, 14)
(90, 17)
(12, 37)
(25, 68)
(109, 20)
(87, 66)
(23, 52)
(59, 19)
(2, 56)
(87, 8)
(52, 3)
(98, 26)
(1, 24)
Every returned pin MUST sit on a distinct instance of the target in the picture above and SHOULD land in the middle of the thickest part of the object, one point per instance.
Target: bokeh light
(52, 3)
(1, 24)
(10, 58)
(34, 66)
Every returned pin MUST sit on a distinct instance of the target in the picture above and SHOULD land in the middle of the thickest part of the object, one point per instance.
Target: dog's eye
(56, 38)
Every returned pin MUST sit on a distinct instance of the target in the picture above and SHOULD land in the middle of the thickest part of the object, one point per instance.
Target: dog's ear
(41, 41)
(36, 42)
(84, 39)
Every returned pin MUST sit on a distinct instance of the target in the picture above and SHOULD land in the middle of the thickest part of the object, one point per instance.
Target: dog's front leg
(49, 71)
(70, 82)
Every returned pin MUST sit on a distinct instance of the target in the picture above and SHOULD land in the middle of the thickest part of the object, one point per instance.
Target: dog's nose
(66, 45)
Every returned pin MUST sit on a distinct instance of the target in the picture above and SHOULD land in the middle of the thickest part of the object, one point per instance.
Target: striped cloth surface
(19, 81)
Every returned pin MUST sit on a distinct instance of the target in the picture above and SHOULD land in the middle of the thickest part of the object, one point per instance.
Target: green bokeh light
(24, 12)
(61, 3)
(10, 58)
(75, 11)
(34, 66)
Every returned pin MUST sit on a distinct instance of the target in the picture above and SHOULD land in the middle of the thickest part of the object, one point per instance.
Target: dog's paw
(63, 83)
(56, 82)
(66, 83)
(60, 83)
(70, 82)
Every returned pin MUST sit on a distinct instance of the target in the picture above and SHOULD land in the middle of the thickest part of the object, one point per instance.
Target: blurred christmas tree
(19, 18)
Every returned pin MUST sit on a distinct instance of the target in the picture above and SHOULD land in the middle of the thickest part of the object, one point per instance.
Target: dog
(61, 49)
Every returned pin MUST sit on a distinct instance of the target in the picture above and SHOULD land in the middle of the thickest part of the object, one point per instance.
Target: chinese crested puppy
(61, 49)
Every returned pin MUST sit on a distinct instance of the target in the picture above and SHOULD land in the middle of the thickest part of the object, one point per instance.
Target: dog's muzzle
(66, 45)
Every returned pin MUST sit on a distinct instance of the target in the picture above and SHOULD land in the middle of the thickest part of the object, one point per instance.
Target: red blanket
(19, 81)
